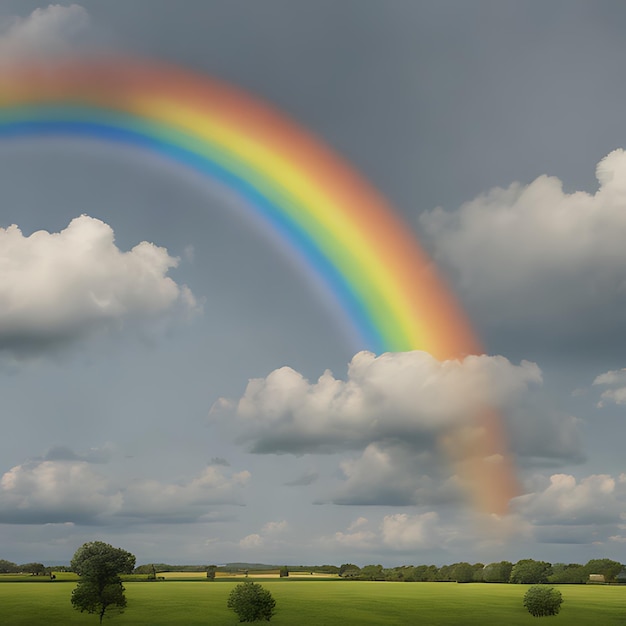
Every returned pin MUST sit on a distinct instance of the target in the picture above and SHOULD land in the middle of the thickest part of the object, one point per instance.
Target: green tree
(348, 567)
(608, 568)
(478, 572)
(568, 573)
(284, 571)
(463, 573)
(348, 570)
(530, 572)
(372, 572)
(498, 572)
(210, 572)
(33, 568)
(100, 588)
(8, 567)
(251, 602)
(445, 572)
(542, 601)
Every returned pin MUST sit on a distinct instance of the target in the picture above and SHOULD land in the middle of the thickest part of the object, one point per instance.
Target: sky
(209, 415)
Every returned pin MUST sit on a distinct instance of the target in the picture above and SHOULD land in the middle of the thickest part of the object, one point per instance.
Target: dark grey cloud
(304, 480)
(65, 453)
(218, 460)
(397, 475)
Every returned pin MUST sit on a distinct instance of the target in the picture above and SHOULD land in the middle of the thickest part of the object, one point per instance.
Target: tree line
(525, 571)
(36, 569)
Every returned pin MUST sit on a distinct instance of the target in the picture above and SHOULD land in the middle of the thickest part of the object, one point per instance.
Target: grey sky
(112, 430)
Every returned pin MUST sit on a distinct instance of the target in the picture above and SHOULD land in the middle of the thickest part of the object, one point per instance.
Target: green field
(304, 603)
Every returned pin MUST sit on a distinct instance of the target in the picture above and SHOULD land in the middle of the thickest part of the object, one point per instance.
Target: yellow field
(179, 575)
(252, 574)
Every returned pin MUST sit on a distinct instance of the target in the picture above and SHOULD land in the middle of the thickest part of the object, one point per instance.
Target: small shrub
(251, 602)
(542, 601)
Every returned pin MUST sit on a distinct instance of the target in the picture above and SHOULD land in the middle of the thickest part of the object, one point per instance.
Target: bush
(542, 601)
(251, 602)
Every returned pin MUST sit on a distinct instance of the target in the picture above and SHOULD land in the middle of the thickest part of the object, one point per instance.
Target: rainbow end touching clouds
(335, 221)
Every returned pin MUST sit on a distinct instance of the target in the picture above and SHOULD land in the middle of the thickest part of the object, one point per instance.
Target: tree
(542, 601)
(498, 572)
(33, 568)
(284, 571)
(251, 602)
(100, 588)
(568, 573)
(348, 567)
(349, 570)
(372, 572)
(463, 573)
(210, 572)
(8, 567)
(478, 568)
(530, 572)
(608, 568)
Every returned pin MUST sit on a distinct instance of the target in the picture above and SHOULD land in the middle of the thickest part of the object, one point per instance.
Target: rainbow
(335, 221)
(345, 231)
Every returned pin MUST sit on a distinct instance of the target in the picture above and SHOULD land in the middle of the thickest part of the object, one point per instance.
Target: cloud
(616, 381)
(268, 537)
(47, 31)
(562, 252)
(398, 532)
(273, 528)
(594, 500)
(558, 509)
(218, 460)
(358, 536)
(57, 287)
(251, 542)
(56, 492)
(411, 532)
(395, 475)
(94, 455)
(308, 478)
(360, 521)
(65, 489)
(187, 501)
(407, 396)
(398, 409)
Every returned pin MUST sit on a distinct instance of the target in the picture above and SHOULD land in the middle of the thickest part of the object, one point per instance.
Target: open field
(172, 603)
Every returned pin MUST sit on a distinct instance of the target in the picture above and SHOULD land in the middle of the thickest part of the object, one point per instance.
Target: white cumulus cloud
(67, 490)
(59, 286)
(533, 255)
(410, 532)
(395, 408)
(596, 499)
(395, 396)
(56, 492)
(615, 381)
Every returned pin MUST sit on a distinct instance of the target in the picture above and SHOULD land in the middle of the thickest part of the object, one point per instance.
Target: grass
(172, 603)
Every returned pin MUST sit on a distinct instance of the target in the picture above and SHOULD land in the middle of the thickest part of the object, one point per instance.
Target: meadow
(305, 603)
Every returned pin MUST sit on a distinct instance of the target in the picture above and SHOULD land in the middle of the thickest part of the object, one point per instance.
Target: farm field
(171, 603)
